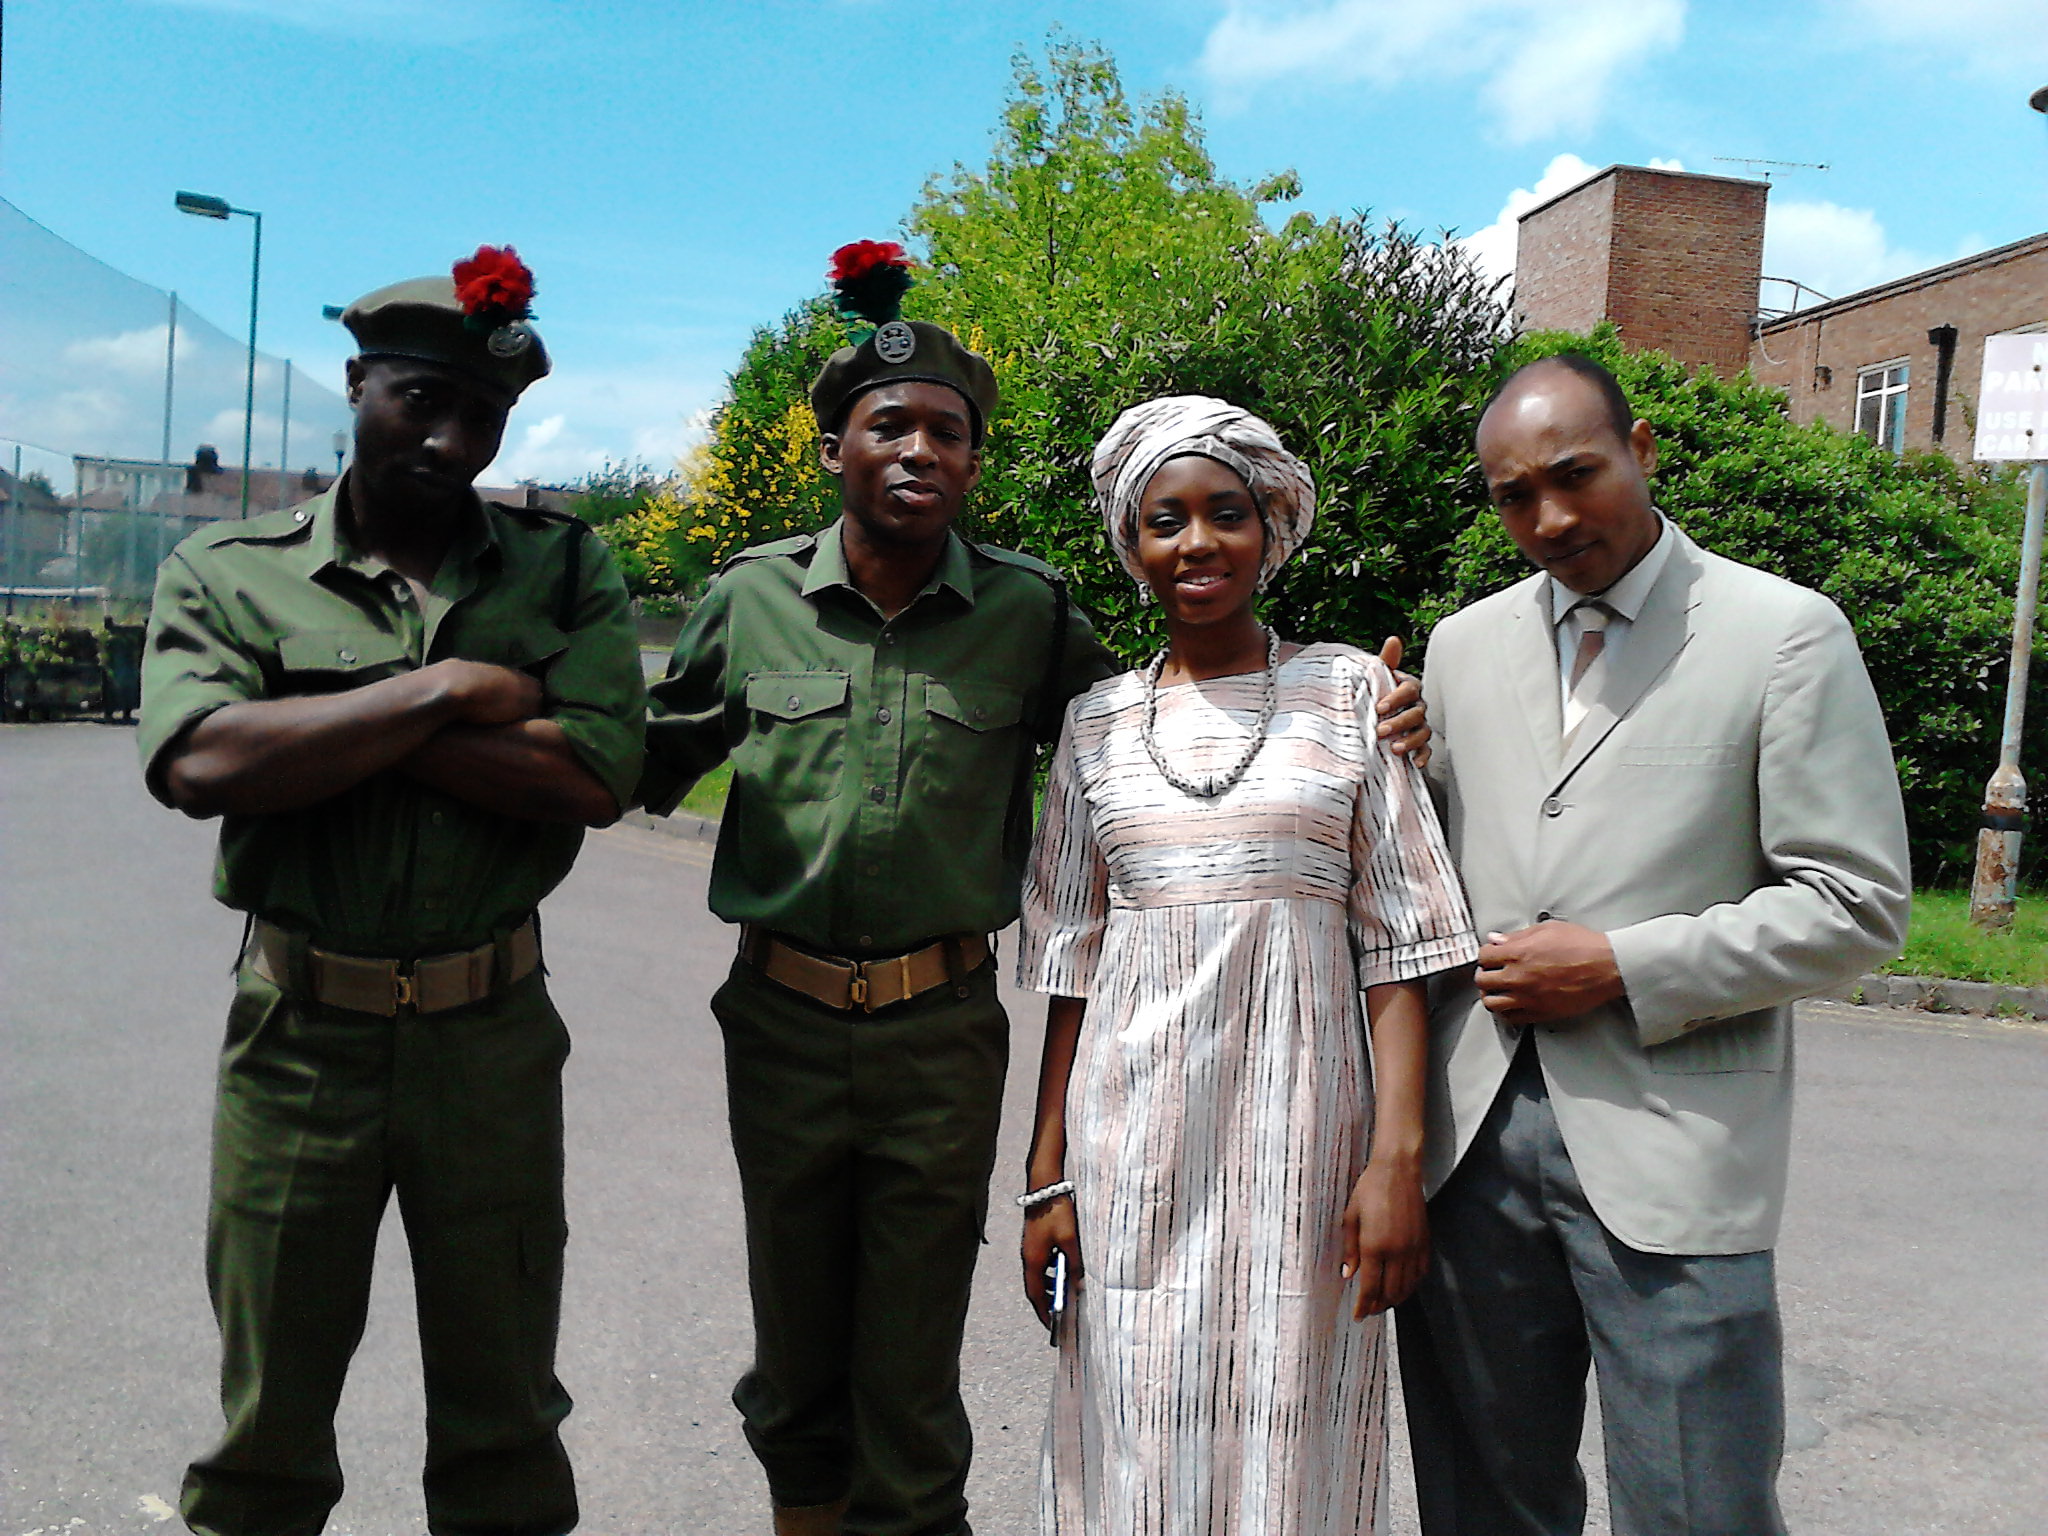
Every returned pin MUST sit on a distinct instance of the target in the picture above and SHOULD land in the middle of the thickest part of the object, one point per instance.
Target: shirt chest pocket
(967, 752)
(333, 661)
(795, 746)
(523, 647)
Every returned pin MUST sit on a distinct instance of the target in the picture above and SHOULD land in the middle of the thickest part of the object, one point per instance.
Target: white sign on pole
(2012, 404)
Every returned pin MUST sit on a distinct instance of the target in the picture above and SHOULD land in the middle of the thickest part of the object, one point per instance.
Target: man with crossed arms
(1669, 790)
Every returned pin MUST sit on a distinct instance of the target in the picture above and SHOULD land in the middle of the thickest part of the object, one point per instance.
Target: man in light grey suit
(1668, 788)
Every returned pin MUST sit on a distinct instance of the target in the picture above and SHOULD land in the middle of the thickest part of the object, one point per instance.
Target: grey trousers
(1526, 1289)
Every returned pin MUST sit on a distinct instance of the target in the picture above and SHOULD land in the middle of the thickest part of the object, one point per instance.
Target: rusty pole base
(1994, 890)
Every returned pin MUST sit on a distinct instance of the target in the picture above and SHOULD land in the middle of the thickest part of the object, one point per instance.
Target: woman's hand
(1047, 1228)
(1386, 1235)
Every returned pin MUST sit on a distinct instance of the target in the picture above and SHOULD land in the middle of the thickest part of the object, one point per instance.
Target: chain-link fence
(116, 405)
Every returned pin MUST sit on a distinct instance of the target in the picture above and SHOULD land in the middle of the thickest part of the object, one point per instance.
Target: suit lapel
(1530, 663)
(1658, 634)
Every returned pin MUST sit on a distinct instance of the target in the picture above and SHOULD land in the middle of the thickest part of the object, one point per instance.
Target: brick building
(1672, 258)
(1900, 362)
(1676, 259)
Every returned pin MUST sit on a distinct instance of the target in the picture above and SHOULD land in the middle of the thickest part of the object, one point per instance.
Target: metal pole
(13, 531)
(249, 394)
(170, 373)
(1994, 891)
(284, 446)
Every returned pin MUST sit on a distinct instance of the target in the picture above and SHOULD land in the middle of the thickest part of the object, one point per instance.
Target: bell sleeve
(1408, 914)
(1066, 886)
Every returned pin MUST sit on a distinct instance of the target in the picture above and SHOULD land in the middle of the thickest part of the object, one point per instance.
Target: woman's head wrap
(1146, 436)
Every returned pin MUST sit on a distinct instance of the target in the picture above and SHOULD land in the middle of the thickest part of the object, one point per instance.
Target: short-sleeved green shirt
(881, 791)
(282, 605)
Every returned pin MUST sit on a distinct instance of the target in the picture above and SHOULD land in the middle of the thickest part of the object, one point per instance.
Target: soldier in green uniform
(406, 705)
(881, 688)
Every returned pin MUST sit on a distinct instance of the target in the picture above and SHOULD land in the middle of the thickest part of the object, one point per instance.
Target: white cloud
(1837, 250)
(1546, 66)
(1999, 39)
(594, 419)
(136, 354)
(1492, 249)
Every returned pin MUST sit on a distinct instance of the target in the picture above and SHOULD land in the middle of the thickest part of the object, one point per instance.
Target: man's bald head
(1620, 414)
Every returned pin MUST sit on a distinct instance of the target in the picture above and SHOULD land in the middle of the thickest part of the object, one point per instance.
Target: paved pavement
(1913, 1261)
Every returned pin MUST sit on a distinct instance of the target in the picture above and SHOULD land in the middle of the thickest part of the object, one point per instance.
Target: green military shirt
(283, 605)
(881, 790)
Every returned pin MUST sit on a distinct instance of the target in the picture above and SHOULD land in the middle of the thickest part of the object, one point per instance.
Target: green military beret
(869, 279)
(476, 320)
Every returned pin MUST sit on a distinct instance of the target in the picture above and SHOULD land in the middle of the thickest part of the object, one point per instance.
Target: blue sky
(677, 173)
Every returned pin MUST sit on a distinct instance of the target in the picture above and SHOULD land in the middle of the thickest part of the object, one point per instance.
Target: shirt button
(437, 818)
(882, 715)
(1553, 806)
(299, 516)
(795, 702)
(348, 655)
(867, 941)
(1543, 917)
(980, 714)
(874, 871)
(889, 639)
(878, 794)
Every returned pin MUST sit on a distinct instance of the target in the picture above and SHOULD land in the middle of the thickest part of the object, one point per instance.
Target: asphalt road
(1914, 1263)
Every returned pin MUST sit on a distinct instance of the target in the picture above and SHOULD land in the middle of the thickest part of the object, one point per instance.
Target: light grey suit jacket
(1729, 816)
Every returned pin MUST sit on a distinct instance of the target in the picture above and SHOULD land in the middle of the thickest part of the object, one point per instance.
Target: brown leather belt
(863, 984)
(431, 984)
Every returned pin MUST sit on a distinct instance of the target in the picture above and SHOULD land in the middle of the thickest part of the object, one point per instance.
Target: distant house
(1675, 260)
(34, 533)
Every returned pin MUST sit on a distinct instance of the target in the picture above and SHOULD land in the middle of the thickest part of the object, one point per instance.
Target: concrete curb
(690, 828)
(1937, 994)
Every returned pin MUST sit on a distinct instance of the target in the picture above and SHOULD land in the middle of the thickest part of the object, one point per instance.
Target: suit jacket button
(1544, 917)
(1553, 806)
(1657, 1103)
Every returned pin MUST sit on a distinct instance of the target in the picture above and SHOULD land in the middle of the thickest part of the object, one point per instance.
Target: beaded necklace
(1217, 784)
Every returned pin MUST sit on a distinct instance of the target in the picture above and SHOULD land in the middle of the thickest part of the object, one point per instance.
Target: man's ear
(1642, 442)
(356, 374)
(973, 470)
(828, 452)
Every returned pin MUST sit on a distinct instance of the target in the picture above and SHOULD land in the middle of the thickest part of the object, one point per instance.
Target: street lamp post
(202, 206)
(1994, 885)
(340, 447)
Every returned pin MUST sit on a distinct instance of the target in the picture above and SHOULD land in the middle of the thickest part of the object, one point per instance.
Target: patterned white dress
(1212, 1381)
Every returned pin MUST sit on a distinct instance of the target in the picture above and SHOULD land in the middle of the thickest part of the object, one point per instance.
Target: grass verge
(1944, 942)
(707, 796)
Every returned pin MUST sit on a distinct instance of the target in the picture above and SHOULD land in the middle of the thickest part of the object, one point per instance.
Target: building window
(1881, 405)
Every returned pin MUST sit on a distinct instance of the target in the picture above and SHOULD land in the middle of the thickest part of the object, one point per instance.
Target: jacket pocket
(795, 746)
(968, 754)
(523, 647)
(1703, 754)
(1748, 1042)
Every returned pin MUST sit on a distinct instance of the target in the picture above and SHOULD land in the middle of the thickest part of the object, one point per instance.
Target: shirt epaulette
(543, 515)
(1021, 561)
(795, 544)
(263, 528)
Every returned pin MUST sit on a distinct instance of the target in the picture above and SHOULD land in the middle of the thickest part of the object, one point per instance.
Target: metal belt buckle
(857, 990)
(402, 988)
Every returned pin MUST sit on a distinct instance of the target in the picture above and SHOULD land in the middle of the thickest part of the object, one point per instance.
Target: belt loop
(244, 955)
(954, 947)
(298, 966)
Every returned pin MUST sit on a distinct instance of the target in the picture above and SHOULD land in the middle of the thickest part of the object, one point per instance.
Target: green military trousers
(322, 1114)
(865, 1144)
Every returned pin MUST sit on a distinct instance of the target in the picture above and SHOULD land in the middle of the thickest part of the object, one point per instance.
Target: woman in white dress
(1233, 884)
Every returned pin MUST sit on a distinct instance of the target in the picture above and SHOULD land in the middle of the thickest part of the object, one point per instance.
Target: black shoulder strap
(1049, 701)
(572, 577)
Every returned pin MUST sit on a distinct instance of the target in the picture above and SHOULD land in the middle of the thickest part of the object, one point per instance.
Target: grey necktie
(1593, 616)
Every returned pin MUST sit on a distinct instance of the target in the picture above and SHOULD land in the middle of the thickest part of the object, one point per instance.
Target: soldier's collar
(331, 547)
(828, 566)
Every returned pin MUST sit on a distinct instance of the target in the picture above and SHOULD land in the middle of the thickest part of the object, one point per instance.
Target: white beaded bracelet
(1048, 1192)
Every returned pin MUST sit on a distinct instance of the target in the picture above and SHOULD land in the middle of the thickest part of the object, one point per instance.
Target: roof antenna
(1771, 165)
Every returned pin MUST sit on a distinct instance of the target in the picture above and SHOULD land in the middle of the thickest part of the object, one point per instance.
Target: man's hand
(1401, 713)
(1546, 973)
(484, 694)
